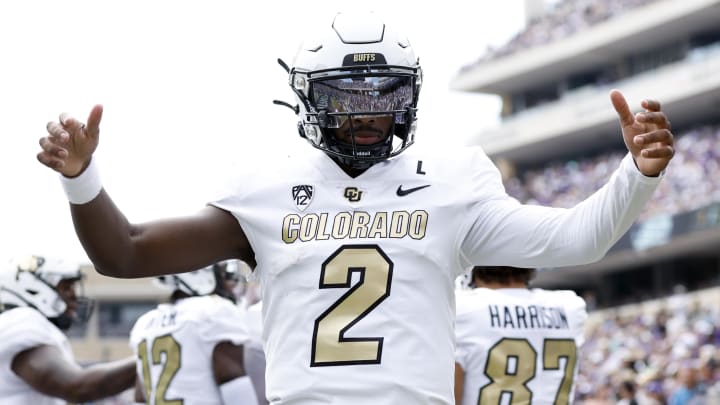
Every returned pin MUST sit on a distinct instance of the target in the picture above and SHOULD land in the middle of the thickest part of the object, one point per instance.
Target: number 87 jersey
(518, 346)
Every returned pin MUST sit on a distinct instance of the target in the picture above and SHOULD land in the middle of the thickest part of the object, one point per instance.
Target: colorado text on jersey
(354, 225)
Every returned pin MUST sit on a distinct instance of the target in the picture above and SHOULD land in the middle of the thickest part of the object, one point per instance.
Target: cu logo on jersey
(353, 194)
(303, 195)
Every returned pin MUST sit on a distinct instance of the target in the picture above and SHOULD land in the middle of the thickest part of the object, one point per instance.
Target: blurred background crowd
(564, 19)
(692, 180)
(657, 350)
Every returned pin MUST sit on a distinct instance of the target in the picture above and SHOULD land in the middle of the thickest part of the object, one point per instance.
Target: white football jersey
(174, 344)
(21, 329)
(518, 346)
(357, 274)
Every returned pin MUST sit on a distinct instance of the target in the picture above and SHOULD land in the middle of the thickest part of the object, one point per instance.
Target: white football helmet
(465, 280)
(356, 67)
(193, 283)
(229, 271)
(32, 281)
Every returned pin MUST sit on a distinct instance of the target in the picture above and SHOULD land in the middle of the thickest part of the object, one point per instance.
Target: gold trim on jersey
(354, 225)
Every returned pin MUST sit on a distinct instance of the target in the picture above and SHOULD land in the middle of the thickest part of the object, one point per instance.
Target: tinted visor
(341, 97)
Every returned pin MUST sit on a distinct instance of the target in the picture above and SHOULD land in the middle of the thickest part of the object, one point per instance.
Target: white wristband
(85, 187)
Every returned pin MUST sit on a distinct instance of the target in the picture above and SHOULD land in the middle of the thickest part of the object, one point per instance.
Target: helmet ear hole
(301, 130)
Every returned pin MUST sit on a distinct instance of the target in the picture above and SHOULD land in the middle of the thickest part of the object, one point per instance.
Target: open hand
(70, 144)
(646, 134)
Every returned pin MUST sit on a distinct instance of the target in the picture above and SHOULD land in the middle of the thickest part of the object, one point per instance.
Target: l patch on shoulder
(420, 168)
(302, 195)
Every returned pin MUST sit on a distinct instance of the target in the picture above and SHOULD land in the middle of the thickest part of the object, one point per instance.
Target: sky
(187, 90)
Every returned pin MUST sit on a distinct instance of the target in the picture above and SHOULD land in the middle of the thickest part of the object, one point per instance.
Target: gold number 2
(330, 347)
(162, 345)
(511, 365)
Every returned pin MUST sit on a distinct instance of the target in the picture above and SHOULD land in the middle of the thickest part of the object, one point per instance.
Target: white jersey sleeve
(518, 345)
(21, 329)
(511, 234)
(253, 316)
(174, 344)
(224, 322)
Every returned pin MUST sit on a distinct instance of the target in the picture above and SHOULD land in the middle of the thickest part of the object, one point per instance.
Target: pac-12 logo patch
(303, 195)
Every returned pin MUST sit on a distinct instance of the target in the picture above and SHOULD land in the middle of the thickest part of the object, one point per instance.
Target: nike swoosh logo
(401, 193)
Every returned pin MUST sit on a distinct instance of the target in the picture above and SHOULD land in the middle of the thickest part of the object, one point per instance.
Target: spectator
(626, 393)
(688, 391)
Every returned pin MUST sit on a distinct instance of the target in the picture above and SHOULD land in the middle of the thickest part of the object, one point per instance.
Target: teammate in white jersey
(233, 286)
(355, 243)
(515, 345)
(254, 352)
(38, 302)
(190, 350)
(227, 279)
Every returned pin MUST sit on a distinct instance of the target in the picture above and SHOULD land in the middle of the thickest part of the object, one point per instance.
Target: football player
(191, 350)
(355, 241)
(514, 344)
(227, 279)
(233, 286)
(254, 352)
(39, 301)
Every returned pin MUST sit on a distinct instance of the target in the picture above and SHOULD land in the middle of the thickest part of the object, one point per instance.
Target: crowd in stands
(374, 94)
(658, 352)
(691, 181)
(565, 18)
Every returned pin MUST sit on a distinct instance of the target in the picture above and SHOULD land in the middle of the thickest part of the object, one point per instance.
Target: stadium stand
(654, 326)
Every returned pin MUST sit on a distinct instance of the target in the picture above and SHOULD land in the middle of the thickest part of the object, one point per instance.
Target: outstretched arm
(120, 249)
(117, 247)
(508, 233)
(46, 370)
